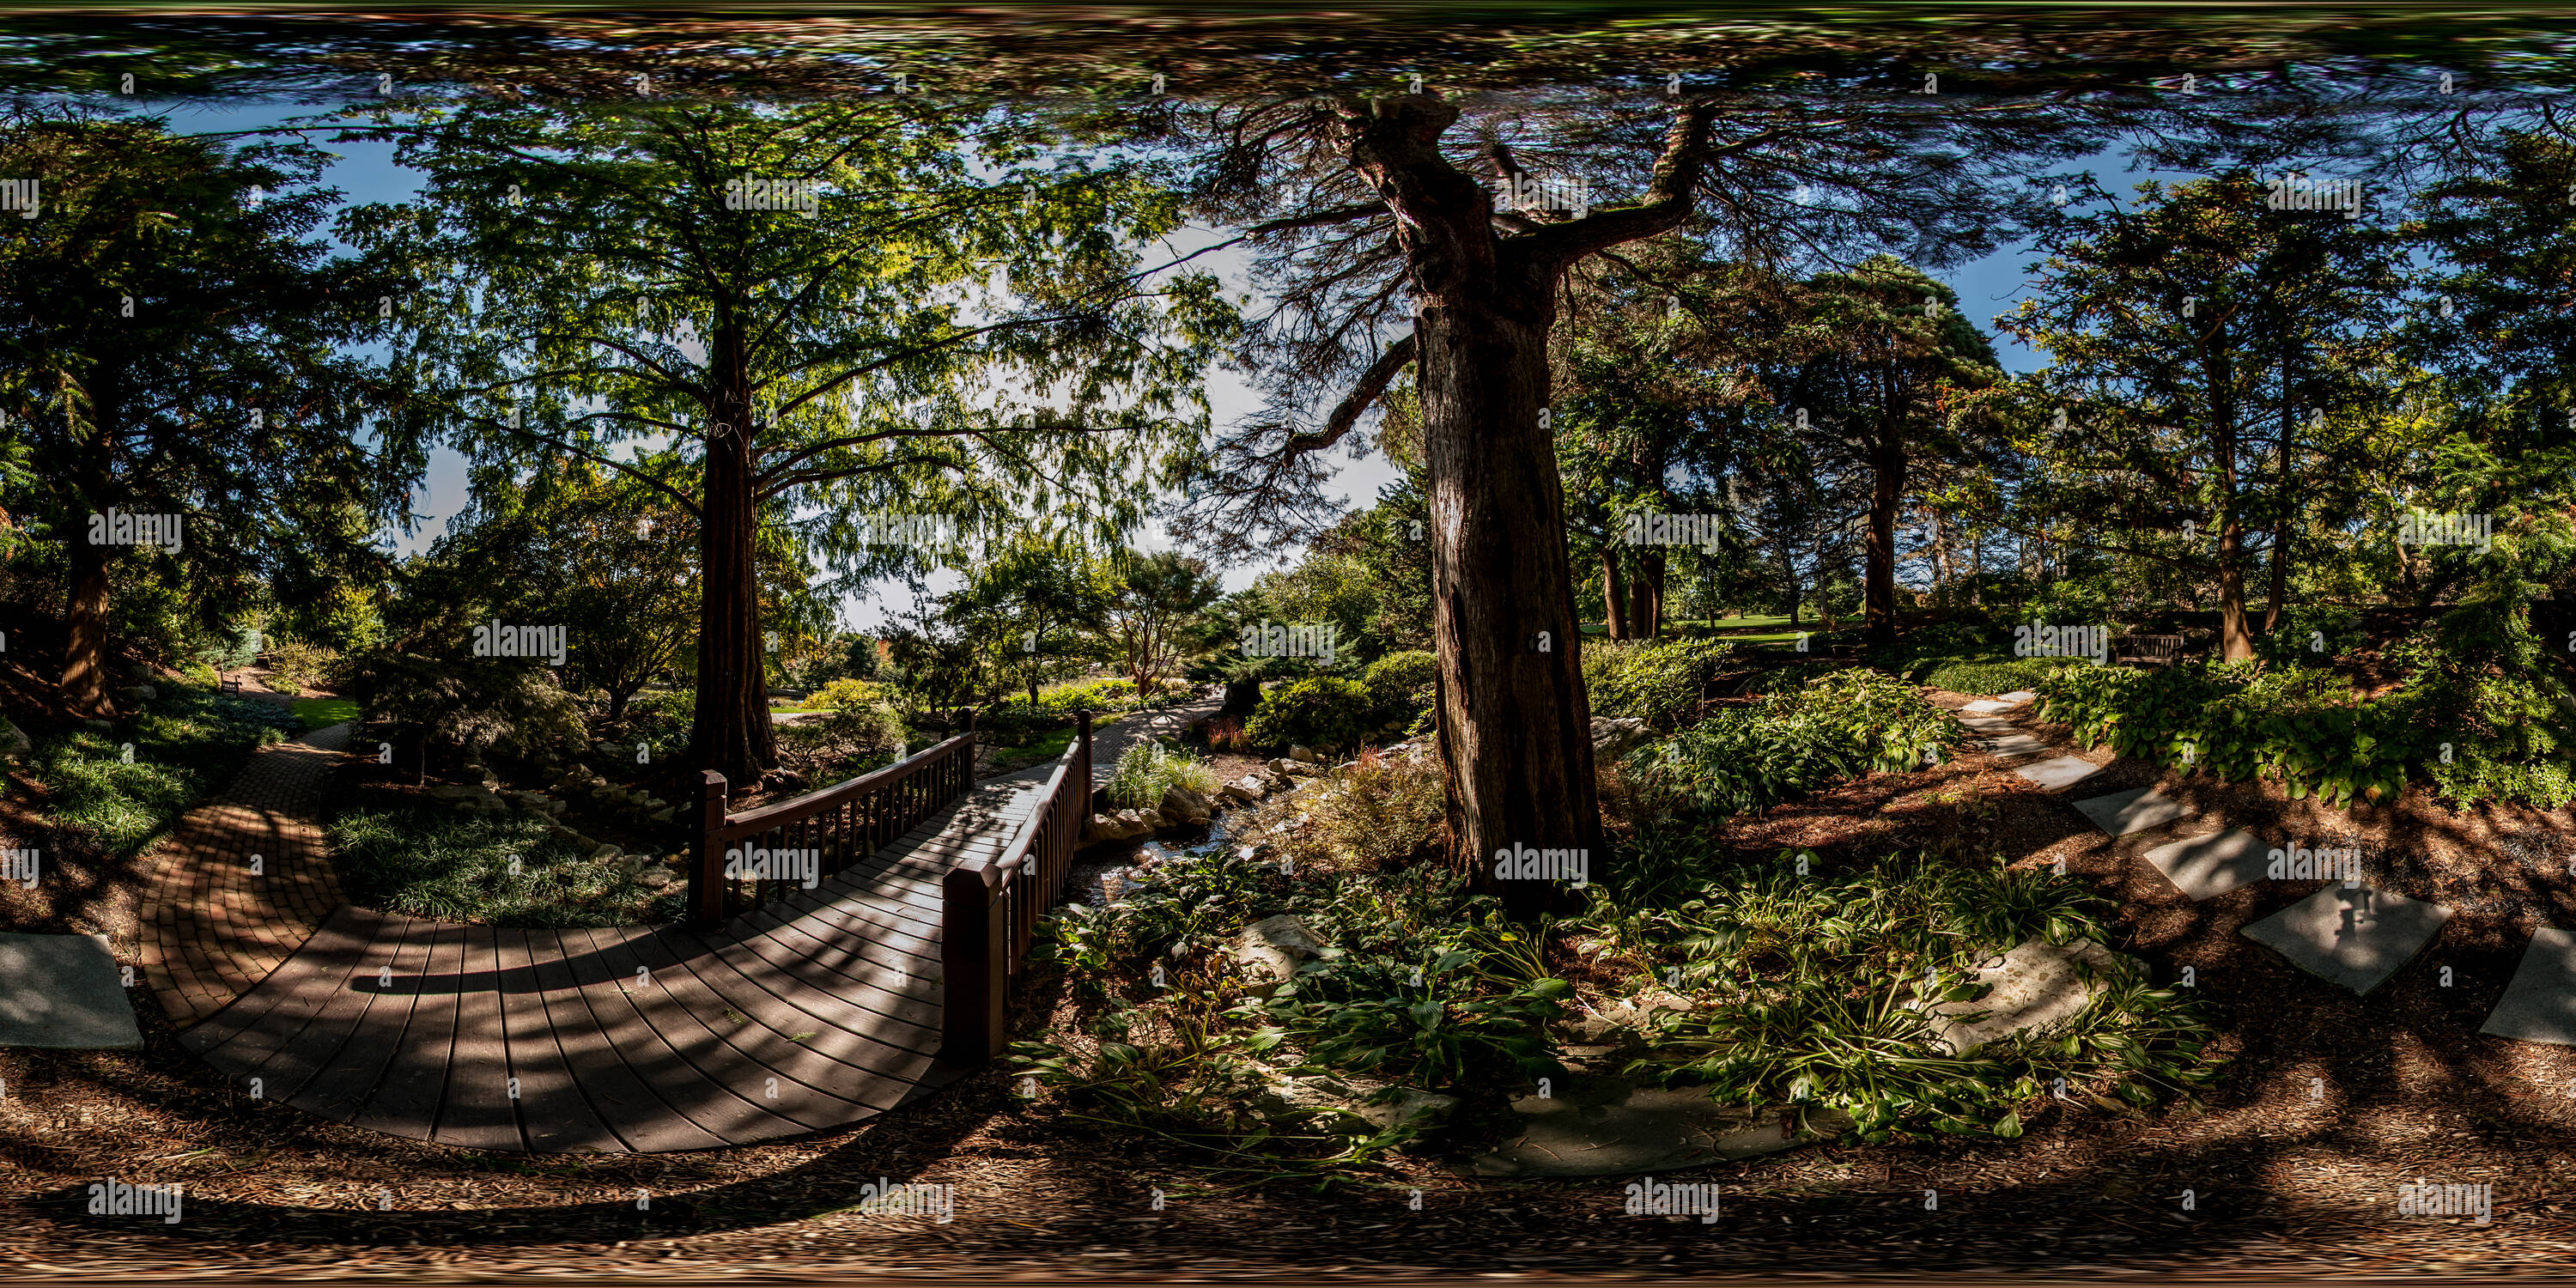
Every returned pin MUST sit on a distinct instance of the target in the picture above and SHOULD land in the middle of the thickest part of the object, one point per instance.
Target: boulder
(99, 726)
(1616, 736)
(1269, 950)
(143, 693)
(605, 851)
(662, 815)
(1104, 829)
(1246, 789)
(1184, 805)
(14, 743)
(1281, 765)
(1305, 755)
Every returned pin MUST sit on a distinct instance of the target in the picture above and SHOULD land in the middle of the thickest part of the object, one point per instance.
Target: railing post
(706, 858)
(966, 779)
(972, 975)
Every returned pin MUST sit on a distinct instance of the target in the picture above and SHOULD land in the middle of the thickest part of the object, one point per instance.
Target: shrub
(1749, 758)
(1098, 696)
(849, 741)
(473, 707)
(294, 666)
(1402, 685)
(1225, 733)
(1993, 673)
(1661, 681)
(201, 675)
(1321, 711)
(2238, 720)
(846, 694)
(1148, 769)
(2313, 634)
(1382, 812)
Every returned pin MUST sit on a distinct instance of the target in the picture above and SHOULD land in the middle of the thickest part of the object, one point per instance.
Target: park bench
(2158, 649)
(228, 684)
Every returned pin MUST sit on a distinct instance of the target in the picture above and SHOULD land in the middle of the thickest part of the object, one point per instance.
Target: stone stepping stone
(2065, 771)
(2206, 867)
(1988, 724)
(2540, 1004)
(2019, 744)
(1610, 1127)
(1987, 706)
(2351, 935)
(2121, 813)
(2030, 987)
(63, 991)
(2017, 697)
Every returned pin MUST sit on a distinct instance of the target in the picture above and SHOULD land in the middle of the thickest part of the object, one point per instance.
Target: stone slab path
(2208, 866)
(2351, 934)
(2540, 1004)
(2122, 813)
(2064, 771)
(64, 992)
(1608, 1127)
(2034, 985)
(212, 927)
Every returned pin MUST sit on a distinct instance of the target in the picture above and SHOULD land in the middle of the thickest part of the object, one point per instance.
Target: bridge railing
(990, 908)
(838, 825)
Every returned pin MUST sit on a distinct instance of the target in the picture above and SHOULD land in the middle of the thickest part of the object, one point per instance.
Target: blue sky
(366, 172)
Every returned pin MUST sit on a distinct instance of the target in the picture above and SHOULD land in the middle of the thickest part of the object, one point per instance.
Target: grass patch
(322, 713)
(187, 742)
(1044, 747)
(403, 856)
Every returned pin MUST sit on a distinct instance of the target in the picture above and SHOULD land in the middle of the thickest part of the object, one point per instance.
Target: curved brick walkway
(210, 929)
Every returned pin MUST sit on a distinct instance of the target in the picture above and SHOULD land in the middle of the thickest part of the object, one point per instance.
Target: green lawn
(1044, 749)
(322, 713)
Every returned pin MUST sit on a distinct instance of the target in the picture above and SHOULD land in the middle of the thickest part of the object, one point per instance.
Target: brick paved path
(210, 928)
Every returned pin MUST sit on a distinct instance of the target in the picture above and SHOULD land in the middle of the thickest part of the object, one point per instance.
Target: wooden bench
(2159, 649)
(228, 685)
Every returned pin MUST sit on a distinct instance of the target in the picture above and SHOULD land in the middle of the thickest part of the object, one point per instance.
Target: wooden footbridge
(777, 1011)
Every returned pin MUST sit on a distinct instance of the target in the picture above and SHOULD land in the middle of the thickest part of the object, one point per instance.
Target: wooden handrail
(892, 799)
(989, 908)
(823, 798)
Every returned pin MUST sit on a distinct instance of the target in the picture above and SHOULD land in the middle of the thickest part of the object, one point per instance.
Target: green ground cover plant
(186, 743)
(402, 855)
(1805, 988)
(1848, 722)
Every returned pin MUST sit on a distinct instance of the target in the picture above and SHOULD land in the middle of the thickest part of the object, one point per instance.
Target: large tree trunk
(1878, 572)
(1614, 595)
(2280, 577)
(1515, 728)
(1646, 596)
(85, 641)
(732, 734)
(2234, 632)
